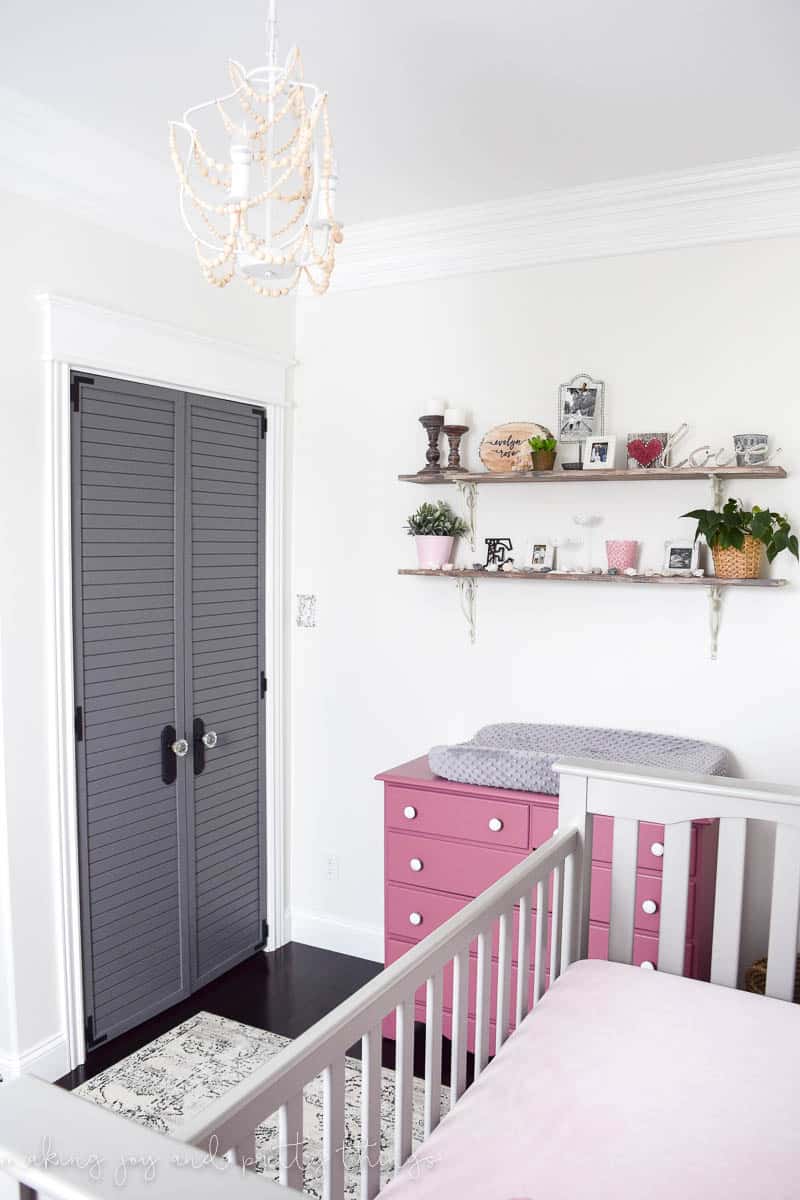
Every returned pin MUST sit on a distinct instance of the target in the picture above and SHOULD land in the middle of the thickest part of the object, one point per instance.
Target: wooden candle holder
(433, 427)
(454, 434)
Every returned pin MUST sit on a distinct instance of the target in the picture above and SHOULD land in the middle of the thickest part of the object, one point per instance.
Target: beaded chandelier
(258, 179)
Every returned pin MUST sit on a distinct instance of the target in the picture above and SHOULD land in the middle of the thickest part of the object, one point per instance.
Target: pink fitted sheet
(627, 1084)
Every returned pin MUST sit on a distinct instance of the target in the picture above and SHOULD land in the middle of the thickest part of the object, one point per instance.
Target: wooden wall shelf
(711, 581)
(467, 483)
(591, 476)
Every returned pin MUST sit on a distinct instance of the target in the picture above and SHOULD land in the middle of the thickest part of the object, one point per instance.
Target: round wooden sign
(505, 447)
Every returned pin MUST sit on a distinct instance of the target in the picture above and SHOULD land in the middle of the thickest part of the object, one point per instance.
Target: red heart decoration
(643, 454)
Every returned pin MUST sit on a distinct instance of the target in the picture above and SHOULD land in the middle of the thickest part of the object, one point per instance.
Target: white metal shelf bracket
(717, 492)
(469, 492)
(468, 596)
(714, 619)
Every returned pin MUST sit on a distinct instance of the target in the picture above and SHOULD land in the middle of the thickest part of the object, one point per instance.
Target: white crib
(30, 1109)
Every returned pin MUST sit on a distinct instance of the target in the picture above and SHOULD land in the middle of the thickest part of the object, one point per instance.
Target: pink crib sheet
(627, 1084)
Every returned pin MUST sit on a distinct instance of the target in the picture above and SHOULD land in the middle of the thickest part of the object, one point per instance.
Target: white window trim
(82, 337)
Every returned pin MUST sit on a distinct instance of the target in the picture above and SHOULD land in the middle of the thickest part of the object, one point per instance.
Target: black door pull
(198, 729)
(169, 761)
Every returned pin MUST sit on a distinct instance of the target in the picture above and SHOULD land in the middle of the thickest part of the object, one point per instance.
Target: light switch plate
(306, 611)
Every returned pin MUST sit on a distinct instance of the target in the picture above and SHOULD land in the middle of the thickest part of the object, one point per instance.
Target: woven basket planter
(755, 979)
(739, 564)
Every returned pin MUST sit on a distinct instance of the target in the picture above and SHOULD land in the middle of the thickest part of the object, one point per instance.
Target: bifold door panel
(168, 533)
(225, 653)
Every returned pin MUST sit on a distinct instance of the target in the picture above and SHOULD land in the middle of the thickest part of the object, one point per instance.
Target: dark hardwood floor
(283, 992)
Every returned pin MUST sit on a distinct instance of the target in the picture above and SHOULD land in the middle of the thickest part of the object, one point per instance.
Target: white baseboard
(48, 1060)
(346, 937)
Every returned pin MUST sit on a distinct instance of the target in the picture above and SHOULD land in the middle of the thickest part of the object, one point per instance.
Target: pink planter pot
(433, 552)
(622, 555)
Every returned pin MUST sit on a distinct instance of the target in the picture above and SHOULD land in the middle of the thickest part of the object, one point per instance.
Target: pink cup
(622, 555)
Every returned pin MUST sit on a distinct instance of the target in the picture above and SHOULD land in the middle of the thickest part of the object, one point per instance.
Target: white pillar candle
(435, 406)
(455, 416)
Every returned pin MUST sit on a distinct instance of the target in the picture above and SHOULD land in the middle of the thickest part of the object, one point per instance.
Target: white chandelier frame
(269, 263)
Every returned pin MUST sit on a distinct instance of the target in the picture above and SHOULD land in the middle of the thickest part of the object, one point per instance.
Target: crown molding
(65, 164)
(729, 202)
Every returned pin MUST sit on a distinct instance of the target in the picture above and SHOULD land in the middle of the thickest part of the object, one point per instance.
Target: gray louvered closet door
(224, 657)
(168, 536)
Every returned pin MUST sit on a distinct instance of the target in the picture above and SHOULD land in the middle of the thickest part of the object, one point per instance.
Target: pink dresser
(446, 842)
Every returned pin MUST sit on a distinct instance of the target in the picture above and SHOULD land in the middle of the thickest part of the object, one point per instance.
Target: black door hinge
(263, 685)
(260, 413)
(79, 724)
(264, 936)
(91, 1040)
(75, 390)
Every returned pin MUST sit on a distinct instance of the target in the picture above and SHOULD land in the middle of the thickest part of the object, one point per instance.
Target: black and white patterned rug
(180, 1073)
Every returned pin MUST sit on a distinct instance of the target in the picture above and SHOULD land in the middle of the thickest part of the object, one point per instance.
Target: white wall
(44, 250)
(706, 335)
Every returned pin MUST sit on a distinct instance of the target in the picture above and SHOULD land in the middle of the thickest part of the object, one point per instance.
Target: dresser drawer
(651, 839)
(445, 866)
(412, 914)
(473, 818)
(645, 948)
(648, 893)
(651, 844)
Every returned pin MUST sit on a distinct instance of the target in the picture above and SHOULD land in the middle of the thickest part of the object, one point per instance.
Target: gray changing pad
(521, 756)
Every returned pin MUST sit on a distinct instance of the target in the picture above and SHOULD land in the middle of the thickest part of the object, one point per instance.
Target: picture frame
(542, 556)
(599, 453)
(680, 556)
(581, 409)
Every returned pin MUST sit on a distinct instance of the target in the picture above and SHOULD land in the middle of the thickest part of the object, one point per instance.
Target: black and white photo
(580, 409)
(542, 556)
(680, 557)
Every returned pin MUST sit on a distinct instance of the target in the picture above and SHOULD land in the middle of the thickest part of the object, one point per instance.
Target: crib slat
(784, 914)
(433, 1052)
(523, 957)
(371, 1044)
(674, 897)
(541, 942)
(503, 980)
(728, 900)
(555, 926)
(483, 1001)
(290, 1142)
(458, 1059)
(570, 908)
(623, 889)
(244, 1152)
(404, 1078)
(333, 1131)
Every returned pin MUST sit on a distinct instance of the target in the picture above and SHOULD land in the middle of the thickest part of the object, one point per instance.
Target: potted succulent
(434, 527)
(543, 452)
(738, 536)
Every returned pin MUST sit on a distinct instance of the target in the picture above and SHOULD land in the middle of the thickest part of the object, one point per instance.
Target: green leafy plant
(435, 520)
(546, 444)
(728, 528)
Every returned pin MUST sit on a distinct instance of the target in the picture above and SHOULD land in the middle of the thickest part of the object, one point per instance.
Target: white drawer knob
(649, 907)
(409, 812)
(416, 864)
(647, 965)
(657, 849)
(495, 824)
(415, 918)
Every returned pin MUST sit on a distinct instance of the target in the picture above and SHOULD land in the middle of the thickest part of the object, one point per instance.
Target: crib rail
(278, 1086)
(55, 1146)
(675, 799)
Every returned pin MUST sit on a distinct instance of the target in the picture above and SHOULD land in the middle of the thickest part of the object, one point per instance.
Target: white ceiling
(443, 102)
